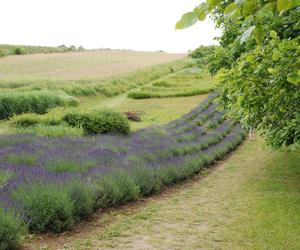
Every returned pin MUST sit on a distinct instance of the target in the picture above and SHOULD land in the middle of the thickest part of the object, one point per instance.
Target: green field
(90, 77)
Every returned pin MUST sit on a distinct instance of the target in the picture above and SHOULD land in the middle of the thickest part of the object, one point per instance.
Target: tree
(262, 86)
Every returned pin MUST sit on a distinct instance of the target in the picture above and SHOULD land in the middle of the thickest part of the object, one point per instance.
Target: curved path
(223, 209)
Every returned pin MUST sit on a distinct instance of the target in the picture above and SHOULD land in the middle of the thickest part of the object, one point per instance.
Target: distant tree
(19, 51)
(72, 48)
(63, 48)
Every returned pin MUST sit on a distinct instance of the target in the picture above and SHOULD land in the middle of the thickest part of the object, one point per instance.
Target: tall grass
(32, 102)
(108, 87)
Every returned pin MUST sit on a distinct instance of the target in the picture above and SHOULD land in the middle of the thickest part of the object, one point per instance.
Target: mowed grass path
(79, 65)
(154, 111)
(251, 200)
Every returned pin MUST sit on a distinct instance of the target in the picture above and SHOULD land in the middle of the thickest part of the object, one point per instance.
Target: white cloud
(124, 24)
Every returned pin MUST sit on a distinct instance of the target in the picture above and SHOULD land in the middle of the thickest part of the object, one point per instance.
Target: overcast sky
(147, 25)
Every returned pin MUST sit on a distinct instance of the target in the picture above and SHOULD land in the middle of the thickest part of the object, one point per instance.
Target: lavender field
(48, 184)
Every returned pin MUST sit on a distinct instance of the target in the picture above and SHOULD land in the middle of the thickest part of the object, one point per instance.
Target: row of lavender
(50, 183)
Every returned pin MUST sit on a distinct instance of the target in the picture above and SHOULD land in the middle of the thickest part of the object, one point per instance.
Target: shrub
(147, 180)
(35, 102)
(48, 208)
(140, 95)
(19, 51)
(99, 122)
(116, 189)
(82, 197)
(25, 120)
(11, 230)
(62, 165)
(75, 119)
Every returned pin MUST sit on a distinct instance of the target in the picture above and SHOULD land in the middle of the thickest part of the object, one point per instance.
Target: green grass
(187, 82)
(272, 220)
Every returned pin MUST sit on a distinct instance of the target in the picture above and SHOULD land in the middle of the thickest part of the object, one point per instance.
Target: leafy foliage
(261, 42)
(98, 122)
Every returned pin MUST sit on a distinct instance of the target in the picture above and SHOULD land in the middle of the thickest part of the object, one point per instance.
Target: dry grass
(79, 65)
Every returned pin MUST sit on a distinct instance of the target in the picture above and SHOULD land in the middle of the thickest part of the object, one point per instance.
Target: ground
(250, 200)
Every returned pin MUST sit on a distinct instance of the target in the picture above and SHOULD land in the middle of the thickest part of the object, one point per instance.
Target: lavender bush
(51, 183)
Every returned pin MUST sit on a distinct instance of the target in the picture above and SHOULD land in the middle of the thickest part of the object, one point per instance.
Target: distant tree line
(7, 50)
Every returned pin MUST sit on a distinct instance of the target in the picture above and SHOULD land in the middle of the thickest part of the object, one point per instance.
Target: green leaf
(273, 34)
(270, 70)
(293, 78)
(258, 34)
(248, 7)
(245, 36)
(276, 56)
(201, 11)
(231, 9)
(282, 5)
(187, 20)
(250, 58)
(213, 3)
(293, 4)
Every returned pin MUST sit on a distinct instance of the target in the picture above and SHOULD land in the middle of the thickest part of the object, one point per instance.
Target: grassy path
(251, 200)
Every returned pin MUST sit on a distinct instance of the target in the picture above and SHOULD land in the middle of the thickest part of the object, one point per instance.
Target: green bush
(115, 189)
(98, 122)
(141, 95)
(11, 230)
(32, 102)
(48, 208)
(82, 197)
(148, 181)
(19, 51)
(175, 93)
(32, 119)
(25, 120)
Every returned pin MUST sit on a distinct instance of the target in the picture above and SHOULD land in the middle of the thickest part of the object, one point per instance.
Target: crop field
(79, 65)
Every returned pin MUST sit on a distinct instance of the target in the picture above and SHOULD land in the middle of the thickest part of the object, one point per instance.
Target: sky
(146, 25)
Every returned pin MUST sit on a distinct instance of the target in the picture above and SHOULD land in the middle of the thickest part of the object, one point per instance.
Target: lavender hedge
(51, 183)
